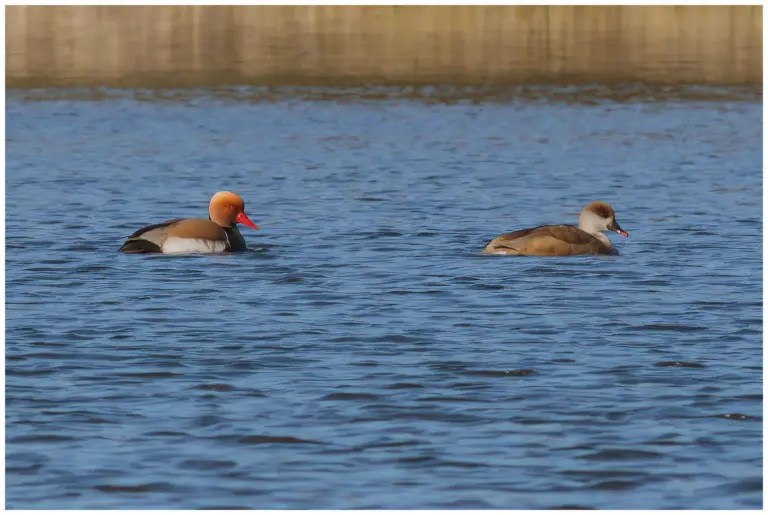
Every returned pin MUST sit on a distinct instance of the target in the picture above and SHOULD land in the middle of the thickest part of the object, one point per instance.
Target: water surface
(364, 354)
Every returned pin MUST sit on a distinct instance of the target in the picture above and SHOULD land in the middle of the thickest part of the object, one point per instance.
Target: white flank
(193, 246)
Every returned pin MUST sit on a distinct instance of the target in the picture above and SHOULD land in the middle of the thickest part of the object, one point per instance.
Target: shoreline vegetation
(434, 94)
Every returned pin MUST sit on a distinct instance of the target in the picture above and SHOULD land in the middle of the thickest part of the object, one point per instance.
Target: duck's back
(547, 240)
(160, 237)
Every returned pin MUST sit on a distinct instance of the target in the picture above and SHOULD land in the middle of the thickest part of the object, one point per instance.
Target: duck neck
(603, 238)
(590, 223)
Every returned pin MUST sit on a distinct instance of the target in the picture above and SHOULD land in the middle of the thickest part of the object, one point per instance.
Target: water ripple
(364, 354)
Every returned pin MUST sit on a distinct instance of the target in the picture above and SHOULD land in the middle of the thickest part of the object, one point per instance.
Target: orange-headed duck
(196, 235)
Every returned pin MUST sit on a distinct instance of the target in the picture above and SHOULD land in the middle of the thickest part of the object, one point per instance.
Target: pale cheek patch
(193, 246)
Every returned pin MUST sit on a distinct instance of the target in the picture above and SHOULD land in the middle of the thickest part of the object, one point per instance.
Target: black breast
(236, 240)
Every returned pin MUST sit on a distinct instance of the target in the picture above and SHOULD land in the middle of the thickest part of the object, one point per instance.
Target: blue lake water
(364, 354)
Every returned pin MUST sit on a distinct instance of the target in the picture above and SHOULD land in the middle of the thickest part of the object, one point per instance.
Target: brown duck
(196, 235)
(563, 240)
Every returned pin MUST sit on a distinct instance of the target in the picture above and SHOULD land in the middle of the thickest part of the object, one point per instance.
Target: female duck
(563, 240)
